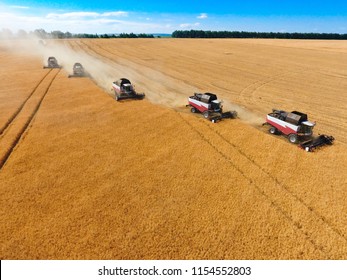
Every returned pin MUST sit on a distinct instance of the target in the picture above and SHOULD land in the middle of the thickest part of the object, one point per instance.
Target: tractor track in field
(86, 48)
(280, 197)
(252, 88)
(10, 120)
(281, 184)
(12, 132)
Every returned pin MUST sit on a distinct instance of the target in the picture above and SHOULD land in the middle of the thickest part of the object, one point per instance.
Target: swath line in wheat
(14, 129)
(10, 120)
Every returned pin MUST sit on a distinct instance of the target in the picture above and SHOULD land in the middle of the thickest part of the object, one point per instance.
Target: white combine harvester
(209, 106)
(123, 89)
(297, 128)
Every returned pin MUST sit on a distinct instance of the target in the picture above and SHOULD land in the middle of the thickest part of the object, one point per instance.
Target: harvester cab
(123, 89)
(216, 105)
(52, 63)
(209, 106)
(297, 128)
(127, 88)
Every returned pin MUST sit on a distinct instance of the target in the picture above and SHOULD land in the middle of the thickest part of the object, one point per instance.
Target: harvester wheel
(193, 110)
(205, 114)
(293, 138)
(273, 130)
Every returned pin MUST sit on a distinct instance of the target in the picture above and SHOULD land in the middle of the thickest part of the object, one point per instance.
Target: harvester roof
(77, 65)
(206, 97)
(122, 82)
(296, 117)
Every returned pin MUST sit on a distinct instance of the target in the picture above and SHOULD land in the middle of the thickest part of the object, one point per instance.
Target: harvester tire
(205, 114)
(193, 110)
(293, 138)
(273, 130)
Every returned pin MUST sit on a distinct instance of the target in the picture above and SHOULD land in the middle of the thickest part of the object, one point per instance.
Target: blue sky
(90, 16)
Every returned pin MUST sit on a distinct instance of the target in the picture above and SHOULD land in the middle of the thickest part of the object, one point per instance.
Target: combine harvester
(209, 106)
(297, 128)
(52, 63)
(123, 89)
(78, 71)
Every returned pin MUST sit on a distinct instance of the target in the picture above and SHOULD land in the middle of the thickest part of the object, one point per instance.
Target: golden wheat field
(85, 177)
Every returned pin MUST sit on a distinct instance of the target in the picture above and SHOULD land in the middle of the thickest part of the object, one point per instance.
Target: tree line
(57, 34)
(246, 34)
(66, 35)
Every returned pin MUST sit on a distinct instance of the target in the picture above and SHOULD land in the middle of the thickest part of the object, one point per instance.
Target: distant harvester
(123, 89)
(78, 71)
(52, 63)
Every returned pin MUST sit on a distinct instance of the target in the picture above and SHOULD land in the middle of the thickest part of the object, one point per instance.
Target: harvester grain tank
(123, 89)
(209, 106)
(52, 63)
(297, 128)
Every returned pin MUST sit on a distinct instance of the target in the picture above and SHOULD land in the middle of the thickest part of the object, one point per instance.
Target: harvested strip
(16, 128)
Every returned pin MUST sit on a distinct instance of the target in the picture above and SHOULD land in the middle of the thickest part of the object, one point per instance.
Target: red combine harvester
(210, 107)
(297, 128)
(123, 89)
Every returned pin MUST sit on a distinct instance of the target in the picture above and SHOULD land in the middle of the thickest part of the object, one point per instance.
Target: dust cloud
(102, 73)
(243, 114)
(159, 88)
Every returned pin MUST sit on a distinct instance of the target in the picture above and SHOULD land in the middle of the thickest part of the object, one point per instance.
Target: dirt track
(91, 178)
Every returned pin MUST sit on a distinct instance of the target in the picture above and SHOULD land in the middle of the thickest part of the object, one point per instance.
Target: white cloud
(20, 7)
(81, 22)
(76, 15)
(72, 15)
(202, 16)
(115, 14)
(88, 21)
(189, 25)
